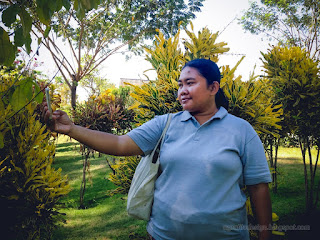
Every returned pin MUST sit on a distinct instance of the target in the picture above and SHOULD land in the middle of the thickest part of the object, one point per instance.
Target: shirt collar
(222, 112)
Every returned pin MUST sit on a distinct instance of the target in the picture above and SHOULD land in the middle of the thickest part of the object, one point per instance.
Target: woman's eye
(189, 83)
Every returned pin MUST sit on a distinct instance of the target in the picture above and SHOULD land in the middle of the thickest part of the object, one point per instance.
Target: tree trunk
(84, 180)
(275, 188)
(315, 168)
(112, 169)
(311, 177)
(273, 155)
(74, 92)
(302, 143)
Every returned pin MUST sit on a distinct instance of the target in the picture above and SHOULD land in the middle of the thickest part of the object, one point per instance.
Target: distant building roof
(133, 81)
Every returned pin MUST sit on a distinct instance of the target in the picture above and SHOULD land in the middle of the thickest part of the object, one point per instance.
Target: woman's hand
(59, 121)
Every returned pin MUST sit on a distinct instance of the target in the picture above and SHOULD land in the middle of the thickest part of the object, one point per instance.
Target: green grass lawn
(289, 202)
(106, 217)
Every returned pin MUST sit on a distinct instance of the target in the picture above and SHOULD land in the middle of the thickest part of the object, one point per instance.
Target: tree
(99, 33)
(294, 77)
(293, 22)
(107, 112)
(94, 85)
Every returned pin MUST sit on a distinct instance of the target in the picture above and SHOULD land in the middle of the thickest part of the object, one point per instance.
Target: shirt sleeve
(256, 169)
(147, 135)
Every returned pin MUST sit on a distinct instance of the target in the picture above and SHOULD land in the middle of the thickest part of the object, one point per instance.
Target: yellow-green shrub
(248, 100)
(30, 189)
(123, 171)
(294, 77)
(108, 113)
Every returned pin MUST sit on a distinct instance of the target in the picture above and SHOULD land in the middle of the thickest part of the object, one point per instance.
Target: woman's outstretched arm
(100, 141)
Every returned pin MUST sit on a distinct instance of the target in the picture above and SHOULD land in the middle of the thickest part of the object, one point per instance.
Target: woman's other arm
(261, 206)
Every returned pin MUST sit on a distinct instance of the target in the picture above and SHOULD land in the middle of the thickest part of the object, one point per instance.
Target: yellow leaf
(278, 233)
(274, 217)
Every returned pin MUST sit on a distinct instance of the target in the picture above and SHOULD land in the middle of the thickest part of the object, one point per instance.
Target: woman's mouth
(185, 100)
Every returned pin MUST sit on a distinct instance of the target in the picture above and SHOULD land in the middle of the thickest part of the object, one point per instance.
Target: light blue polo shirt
(198, 194)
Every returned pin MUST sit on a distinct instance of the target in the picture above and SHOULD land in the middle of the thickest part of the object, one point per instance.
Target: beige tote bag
(140, 196)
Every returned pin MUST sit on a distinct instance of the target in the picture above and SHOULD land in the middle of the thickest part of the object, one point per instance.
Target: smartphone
(48, 101)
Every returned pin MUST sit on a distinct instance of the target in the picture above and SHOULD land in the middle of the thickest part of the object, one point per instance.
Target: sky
(217, 15)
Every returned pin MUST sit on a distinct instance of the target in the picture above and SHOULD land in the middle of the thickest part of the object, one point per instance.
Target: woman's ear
(214, 87)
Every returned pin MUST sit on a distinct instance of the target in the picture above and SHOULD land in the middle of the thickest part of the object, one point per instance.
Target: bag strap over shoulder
(160, 141)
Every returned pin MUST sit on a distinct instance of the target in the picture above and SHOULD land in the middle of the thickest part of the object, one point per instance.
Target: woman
(207, 157)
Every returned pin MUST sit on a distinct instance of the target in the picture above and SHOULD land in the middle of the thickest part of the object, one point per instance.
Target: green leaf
(9, 15)
(59, 5)
(37, 90)
(28, 43)
(43, 12)
(19, 39)
(22, 94)
(7, 49)
(1, 140)
(52, 6)
(26, 21)
(88, 4)
(66, 4)
(27, 84)
(78, 7)
(96, 3)
(1, 106)
(19, 99)
(46, 32)
(39, 40)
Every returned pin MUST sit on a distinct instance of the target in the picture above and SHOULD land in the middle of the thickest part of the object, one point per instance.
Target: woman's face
(194, 95)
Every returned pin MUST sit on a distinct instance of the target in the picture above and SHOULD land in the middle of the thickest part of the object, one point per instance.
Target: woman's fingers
(44, 110)
(45, 115)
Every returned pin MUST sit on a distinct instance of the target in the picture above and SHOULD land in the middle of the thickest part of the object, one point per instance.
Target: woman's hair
(210, 71)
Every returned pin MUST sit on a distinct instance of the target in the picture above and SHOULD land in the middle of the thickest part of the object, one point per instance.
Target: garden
(53, 187)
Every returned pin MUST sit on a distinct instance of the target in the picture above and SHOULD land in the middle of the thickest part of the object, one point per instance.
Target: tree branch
(92, 60)
(104, 38)
(79, 52)
(115, 49)
(66, 36)
(57, 49)
(56, 60)
(315, 35)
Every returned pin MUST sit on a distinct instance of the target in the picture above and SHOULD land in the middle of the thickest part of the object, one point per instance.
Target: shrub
(30, 189)
(108, 113)
(123, 170)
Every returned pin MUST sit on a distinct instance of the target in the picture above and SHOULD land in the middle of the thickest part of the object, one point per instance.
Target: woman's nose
(183, 90)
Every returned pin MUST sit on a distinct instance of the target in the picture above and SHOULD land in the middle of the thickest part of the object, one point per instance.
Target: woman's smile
(184, 100)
